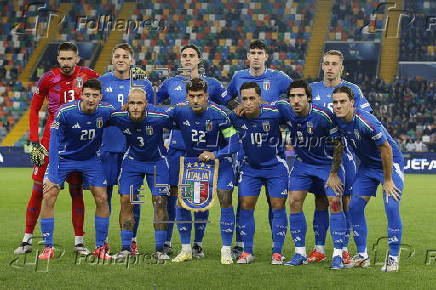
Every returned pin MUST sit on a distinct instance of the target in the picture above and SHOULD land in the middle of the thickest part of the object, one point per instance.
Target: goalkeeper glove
(38, 153)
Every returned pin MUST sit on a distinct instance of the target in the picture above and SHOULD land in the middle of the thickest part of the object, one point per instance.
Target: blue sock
(109, 197)
(200, 228)
(270, 219)
(126, 239)
(358, 219)
(298, 228)
(280, 226)
(159, 239)
(171, 207)
(395, 227)
(337, 229)
(137, 217)
(348, 228)
(238, 231)
(320, 226)
(247, 228)
(227, 224)
(47, 229)
(184, 228)
(101, 228)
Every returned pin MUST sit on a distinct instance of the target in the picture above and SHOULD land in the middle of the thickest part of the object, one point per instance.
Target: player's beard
(67, 69)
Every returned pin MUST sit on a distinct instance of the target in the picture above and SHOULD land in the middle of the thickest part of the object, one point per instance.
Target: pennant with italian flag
(197, 183)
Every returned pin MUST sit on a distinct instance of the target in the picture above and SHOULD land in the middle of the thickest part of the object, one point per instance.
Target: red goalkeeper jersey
(59, 89)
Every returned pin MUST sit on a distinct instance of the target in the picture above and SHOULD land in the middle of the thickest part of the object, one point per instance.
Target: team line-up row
(205, 129)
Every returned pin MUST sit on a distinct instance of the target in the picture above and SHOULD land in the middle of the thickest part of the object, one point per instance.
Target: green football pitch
(418, 257)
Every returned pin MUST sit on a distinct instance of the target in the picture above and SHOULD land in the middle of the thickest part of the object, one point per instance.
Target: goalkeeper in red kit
(60, 85)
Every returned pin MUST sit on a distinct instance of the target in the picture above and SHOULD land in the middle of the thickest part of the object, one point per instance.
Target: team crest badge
(266, 85)
(356, 133)
(266, 126)
(79, 82)
(209, 126)
(309, 127)
(99, 122)
(197, 183)
(149, 130)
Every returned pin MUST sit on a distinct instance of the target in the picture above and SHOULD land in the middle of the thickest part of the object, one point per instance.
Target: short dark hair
(259, 44)
(92, 84)
(68, 45)
(196, 84)
(124, 46)
(194, 47)
(250, 85)
(346, 90)
(334, 52)
(301, 84)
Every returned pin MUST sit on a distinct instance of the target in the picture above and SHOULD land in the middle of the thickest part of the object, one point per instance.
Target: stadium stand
(349, 17)
(418, 43)
(224, 37)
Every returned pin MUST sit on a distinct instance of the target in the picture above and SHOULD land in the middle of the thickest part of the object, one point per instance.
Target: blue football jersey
(174, 90)
(210, 130)
(272, 84)
(322, 95)
(261, 137)
(364, 134)
(115, 91)
(311, 136)
(144, 138)
(76, 135)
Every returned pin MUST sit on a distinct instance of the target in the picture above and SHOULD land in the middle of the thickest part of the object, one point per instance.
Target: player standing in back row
(60, 85)
(173, 91)
(115, 90)
(332, 66)
(272, 85)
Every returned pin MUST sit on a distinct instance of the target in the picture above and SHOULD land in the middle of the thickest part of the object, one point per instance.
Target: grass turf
(418, 223)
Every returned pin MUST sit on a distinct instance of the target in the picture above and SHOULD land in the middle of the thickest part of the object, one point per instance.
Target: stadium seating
(15, 49)
(418, 43)
(349, 17)
(224, 36)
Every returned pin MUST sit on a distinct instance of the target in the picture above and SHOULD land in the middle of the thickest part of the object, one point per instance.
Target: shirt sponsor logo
(76, 126)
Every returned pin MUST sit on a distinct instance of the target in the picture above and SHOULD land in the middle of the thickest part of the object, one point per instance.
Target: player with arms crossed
(381, 162)
(173, 90)
(273, 84)
(115, 90)
(145, 156)
(76, 135)
(207, 134)
(263, 164)
(314, 135)
(332, 66)
(60, 85)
